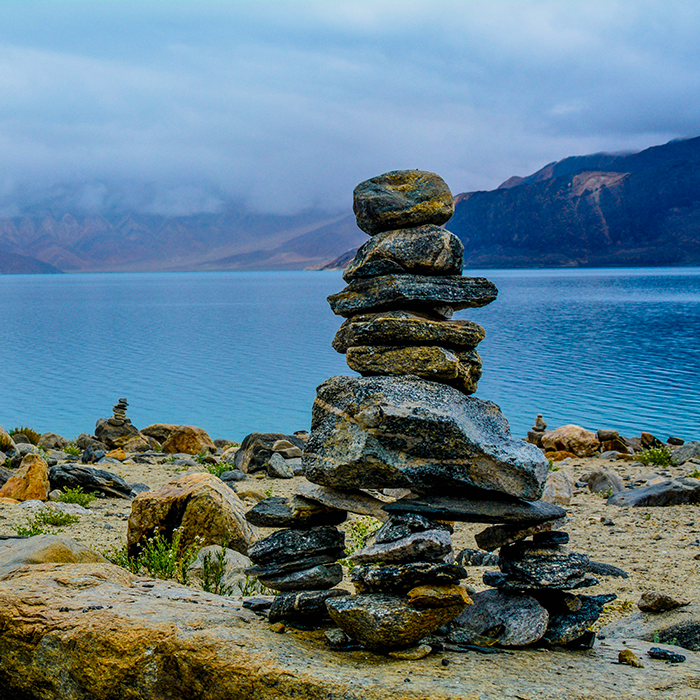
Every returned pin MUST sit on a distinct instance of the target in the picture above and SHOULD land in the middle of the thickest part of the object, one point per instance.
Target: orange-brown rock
(559, 455)
(200, 505)
(189, 440)
(30, 482)
(438, 596)
(117, 454)
(572, 438)
(135, 443)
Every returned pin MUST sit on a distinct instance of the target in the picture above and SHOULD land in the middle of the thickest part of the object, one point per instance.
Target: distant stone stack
(119, 411)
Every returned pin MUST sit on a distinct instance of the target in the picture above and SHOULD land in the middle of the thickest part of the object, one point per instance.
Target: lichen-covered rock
(291, 545)
(297, 513)
(406, 328)
(110, 430)
(307, 607)
(257, 448)
(188, 439)
(353, 501)
(521, 619)
(51, 441)
(30, 482)
(499, 535)
(412, 292)
(438, 596)
(384, 432)
(566, 627)
(462, 370)
(200, 505)
(542, 567)
(572, 438)
(383, 622)
(400, 199)
(90, 479)
(317, 578)
(424, 250)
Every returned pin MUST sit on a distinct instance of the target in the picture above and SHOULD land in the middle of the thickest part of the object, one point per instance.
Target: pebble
(665, 655)
(627, 656)
(412, 653)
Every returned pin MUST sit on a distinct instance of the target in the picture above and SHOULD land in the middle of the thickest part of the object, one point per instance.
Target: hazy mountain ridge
(599, 210)
(129, 241)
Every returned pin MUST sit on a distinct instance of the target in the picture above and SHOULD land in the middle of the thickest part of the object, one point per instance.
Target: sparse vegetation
(357, 531)
(30, 434)
(220, 468)
(695, 474)
(214, 573)
(5, 442)
(251, 586)
(76, 495)
(72, 449)
(159, 558)
(658, 456)
(36, 525)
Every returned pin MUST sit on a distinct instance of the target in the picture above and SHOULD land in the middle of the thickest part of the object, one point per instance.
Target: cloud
(175, 106)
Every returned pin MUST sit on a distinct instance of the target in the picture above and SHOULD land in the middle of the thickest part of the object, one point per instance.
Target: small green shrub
(5, 442)
(72, 449)
(251, 586)
(76, 495)
(214, 573)
(31, 529)
(220, 468)
(695, 474)
(658, 456)
(30, 434)
(160, 558)
(56, 518)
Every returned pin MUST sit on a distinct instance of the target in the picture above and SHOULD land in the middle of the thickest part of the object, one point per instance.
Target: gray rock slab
(682, 453)
(422, 250)
(89, 479)
(402, 526)
(413, 292)
(431, 545)
(287, 545)
(494, 537)
(603, 480)
(567, 627)
(544, 567)
(297, 512)
(386, 432)
(406, 328)
(277, 467)
(319, 578)
(669, 493)
(351, 500)
(306, 607)
(400, 578)
(479, 509)
(521, 618)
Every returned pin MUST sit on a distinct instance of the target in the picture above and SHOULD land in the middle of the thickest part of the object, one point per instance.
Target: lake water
(237, 352)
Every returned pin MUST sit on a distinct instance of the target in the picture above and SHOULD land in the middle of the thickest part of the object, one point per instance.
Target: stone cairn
(409, 423)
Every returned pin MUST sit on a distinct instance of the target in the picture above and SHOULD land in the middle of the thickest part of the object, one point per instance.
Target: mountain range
(634, 209)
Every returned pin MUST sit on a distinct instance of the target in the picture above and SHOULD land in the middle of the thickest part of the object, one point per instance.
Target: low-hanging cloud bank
(178, 107)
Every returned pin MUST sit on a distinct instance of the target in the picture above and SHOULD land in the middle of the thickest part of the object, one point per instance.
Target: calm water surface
(236, 352)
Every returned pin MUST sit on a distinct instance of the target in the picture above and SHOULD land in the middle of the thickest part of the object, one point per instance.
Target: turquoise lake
(237, 352)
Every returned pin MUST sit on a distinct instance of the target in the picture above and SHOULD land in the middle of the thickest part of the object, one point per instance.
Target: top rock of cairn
(400, 199)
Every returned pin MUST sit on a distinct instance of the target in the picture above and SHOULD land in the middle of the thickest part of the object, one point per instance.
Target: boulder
(603, 481)
(383, 622)
(187, 439)
(510, 619)
(424, 250)
(655, 601)
(90, 479)
(200, 506)
(110, 430)
(257, 448)
(30, 482)
(159, 431)
(277, 467)
(406, 328)
(559, 488)
(5, 474)
(683, 453)
(572, 438)
(83, 441)
(386, 432)
(51, 441)
(668, 493)
(400, 199)
(413, 292)
(43, 549)
(462, 370)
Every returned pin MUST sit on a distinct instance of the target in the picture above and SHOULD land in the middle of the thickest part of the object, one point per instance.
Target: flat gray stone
(406, 328)
(522, 619)
(318, 578)
(386, 432)
(277, 467)
(494, 537)
(89, 479)
(476, 507)
(306, 607)
(413, 292)
(669, 493)
(431, 545)
(296, 513)
(542, 567)
(565, 628)
(351, 500)
(422, 250)
(289, 545)
(400, 578)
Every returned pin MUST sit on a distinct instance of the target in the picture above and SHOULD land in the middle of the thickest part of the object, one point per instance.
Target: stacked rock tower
(410, 422)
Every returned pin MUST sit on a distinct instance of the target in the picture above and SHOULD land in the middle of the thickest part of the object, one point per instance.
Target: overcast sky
(287, 105)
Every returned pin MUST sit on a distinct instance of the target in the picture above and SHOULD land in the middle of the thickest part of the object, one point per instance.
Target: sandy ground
(656, 546)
